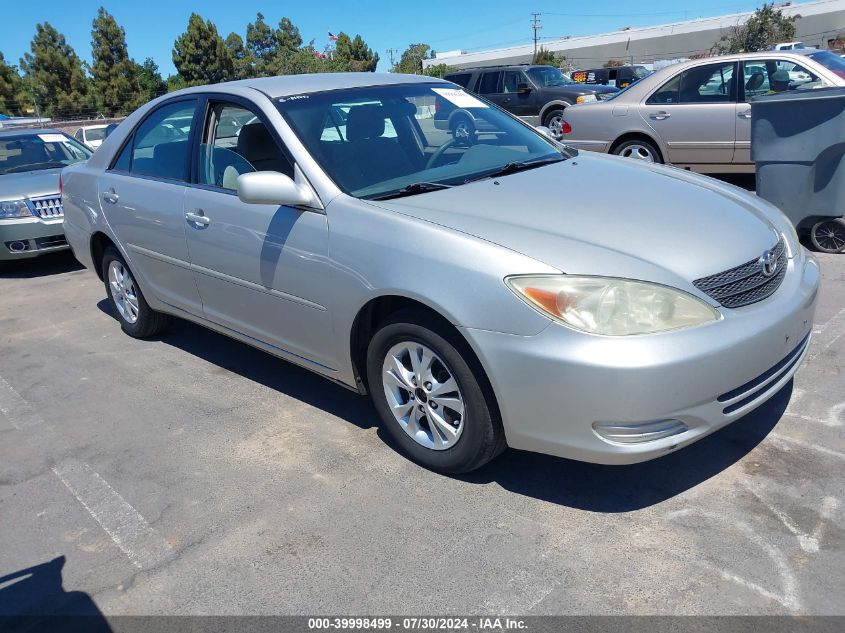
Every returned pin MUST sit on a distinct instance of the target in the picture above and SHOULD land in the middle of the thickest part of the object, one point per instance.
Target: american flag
(332, 37)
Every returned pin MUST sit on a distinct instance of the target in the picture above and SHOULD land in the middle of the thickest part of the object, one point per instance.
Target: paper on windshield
(459, 98)
(53, 138)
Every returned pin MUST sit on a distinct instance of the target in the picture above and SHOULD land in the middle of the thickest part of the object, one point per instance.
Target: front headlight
(14, 209)
(612, 307)
(585, 98)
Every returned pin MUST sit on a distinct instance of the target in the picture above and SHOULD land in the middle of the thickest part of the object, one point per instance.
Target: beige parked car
(696, 114)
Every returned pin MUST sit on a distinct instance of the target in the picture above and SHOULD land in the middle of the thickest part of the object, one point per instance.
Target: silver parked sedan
(696, 114)
(339, 229)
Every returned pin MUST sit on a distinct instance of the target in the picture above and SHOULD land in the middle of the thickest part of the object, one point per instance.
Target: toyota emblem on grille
(769, 263)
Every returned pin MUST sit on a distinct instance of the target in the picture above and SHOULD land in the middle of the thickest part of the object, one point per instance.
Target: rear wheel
(638, 149)
(136, 318)
(430, 397)
(828, 236)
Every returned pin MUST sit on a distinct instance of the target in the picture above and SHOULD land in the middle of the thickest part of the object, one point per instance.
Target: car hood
(607, 216)
(29, 184)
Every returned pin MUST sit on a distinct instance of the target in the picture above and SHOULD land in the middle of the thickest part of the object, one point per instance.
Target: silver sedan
(457, 281)
(696, 114)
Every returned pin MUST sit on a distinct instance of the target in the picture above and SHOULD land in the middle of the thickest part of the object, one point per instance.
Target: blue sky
(152, 25)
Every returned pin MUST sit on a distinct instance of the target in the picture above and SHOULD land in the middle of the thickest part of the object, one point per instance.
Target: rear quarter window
(462, 79)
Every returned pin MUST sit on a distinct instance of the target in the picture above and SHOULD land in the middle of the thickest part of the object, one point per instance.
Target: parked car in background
(695, 114)
(617, 76)
(536, 94)
(91, 135)
(788, 46)
(30, 202)
(477, 288)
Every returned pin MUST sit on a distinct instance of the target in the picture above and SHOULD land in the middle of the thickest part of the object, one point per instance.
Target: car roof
(287, 85)
(17, 131)
(498, 67)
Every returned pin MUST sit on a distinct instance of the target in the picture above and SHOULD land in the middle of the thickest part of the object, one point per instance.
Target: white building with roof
(818, 25)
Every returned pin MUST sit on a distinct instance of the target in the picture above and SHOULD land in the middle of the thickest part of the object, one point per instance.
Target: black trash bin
(798, 147)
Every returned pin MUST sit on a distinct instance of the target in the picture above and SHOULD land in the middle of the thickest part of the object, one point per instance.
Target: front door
(142, 195)
(694, 115)
(260, 269)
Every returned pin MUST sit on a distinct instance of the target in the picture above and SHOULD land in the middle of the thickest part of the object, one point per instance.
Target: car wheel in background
(828, 236)
(136, 318)
(554, 121)
(430, 395)
(638, 149)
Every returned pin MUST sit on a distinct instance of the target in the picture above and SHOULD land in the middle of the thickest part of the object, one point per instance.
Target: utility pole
(536, 25)
(392, 52)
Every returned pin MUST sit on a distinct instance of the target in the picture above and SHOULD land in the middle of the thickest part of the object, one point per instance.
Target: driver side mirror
(272, 187)
(523, 89)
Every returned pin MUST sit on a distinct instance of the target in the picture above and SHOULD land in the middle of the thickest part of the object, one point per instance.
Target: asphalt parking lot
(192, 474)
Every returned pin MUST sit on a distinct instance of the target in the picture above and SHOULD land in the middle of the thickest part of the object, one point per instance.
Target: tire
(127, 300)
(828, 236)
(638, 149)
(554, 121)
(478, 436)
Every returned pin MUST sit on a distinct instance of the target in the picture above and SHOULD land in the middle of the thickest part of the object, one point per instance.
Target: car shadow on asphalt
(566, 482)
(600, 488)
(34, 600)
(43, 266)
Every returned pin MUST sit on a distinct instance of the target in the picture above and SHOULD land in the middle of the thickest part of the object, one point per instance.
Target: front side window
(237, 142)
(34, 152)
(391, 137)
(711, 83)
(160, 145)
(512, 80)
(489, 83)
(545, 76)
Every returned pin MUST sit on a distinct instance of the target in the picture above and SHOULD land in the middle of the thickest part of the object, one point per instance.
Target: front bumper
(553, 387)
(36, 235)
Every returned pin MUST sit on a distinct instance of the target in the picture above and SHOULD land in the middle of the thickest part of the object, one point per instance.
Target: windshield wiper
(516, 166)
(413, 189)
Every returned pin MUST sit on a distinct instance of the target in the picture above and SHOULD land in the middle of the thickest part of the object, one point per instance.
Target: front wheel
(136, 318)
(430, 399)
(638, 149)
(828, 236)
(554, 121)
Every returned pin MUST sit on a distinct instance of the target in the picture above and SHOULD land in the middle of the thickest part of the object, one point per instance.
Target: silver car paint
(22, 186)
(706, 137)
(451, 250)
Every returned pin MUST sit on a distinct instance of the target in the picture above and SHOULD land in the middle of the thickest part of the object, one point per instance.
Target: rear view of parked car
(30, 202)
(473, 285)
(91, 135)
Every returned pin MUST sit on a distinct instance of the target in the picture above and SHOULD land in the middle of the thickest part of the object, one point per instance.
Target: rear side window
(160, 147)
(711, 83)
(489, 83)
(461, 79)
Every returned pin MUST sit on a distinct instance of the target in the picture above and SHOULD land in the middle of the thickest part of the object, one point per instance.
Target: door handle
(744, 115)
(110, 196)
(198, 217)
(659, 116)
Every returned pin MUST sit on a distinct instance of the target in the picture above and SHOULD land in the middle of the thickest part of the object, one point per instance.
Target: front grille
(746, 283)
(47, 207)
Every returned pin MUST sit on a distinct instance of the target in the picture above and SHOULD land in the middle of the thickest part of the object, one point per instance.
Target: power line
(392, 52)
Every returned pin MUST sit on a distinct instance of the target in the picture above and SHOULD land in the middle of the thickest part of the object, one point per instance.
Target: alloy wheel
(638, 152)
(423, 395)
(555, 125)
(123, 292)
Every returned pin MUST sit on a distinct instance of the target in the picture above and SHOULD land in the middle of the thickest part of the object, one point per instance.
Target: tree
(260, 45)
(439, 70)
(766, 27)
(242, 62)
(114, 75)
(55, 75)
(353, 55)
(200, 54)
(287, 36)
(412, 58)
(11, 90)
(546, 57)
(150, 83)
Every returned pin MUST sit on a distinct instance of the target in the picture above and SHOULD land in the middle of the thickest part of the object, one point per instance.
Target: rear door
(141, 196)
(694, 114)
(261, 269)
(489, 84)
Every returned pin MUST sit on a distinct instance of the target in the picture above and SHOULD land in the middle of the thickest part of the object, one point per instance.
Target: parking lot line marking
(125, 525)
(829, 332)
(18, 411)
(783, 439)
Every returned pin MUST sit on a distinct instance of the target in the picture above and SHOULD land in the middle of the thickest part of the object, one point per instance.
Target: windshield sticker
(53, 138)
(459, 98)
(292, 98)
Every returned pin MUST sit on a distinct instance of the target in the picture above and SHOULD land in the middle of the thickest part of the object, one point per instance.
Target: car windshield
(381, 141)
(33, 152)
(545, 76)
(832, 62)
